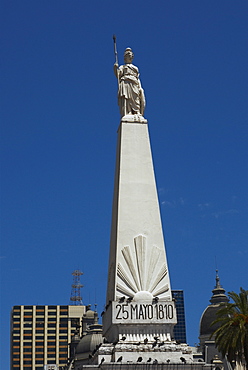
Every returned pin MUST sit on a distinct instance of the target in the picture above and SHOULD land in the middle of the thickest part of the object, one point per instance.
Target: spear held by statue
(115, 50)
(116, 65)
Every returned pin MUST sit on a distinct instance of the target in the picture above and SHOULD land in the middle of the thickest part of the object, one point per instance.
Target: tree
(231, 337)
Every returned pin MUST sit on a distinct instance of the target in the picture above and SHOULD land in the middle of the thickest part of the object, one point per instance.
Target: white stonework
(131, 97)
(139, 303)
(161, 352)
(137, 253)
(140, 314)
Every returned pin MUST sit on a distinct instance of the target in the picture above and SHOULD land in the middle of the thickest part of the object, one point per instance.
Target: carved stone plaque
(162, 312)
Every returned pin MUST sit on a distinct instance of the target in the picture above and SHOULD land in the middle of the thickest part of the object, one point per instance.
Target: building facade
(40, 335)
(180, 327)
(207, 342)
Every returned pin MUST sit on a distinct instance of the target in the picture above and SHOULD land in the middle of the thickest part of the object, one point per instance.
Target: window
(63, 313)
(29, 349)
(39, 355)
(27, 325)
(27, 331)
(63, 324)
(28, 307)
(39, 349)
(63, 308)
(51, 349)
(39, 337)
(27, 337)
(62, 361)
(40, 324)
(51, 313)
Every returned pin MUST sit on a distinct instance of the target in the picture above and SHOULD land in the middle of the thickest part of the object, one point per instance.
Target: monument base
(141, 321)
(158, 352)
(133, 118)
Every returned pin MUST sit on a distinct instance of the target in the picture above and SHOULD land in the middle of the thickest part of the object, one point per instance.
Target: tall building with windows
(180, 327)
(40, 335)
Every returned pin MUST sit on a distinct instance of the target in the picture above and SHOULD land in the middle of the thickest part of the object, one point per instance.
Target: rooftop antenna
(76, 298)
(216, 268)
(217, 279)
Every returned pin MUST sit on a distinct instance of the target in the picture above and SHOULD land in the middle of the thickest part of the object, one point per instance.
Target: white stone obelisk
(139, 304)
(139, 300)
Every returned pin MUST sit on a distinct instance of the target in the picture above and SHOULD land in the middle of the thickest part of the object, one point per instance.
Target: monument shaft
(139, 290)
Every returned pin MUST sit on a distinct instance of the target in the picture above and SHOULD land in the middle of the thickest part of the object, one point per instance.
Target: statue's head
(128, 55)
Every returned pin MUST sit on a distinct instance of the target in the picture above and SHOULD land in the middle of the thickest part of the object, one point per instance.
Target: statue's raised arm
(131, 98)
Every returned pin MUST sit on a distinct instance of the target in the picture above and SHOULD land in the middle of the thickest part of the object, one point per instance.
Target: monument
(138, 292)
(140, 313)
(131, 98)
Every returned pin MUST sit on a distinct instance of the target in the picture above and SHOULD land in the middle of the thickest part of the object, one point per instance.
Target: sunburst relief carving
(142, 271)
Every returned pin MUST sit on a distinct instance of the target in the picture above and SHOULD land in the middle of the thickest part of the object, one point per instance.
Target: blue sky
(59, 119)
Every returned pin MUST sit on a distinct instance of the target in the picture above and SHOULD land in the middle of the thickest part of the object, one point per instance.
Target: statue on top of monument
(131, 98)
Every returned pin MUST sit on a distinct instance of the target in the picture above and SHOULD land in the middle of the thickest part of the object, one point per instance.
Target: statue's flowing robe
(130, 95)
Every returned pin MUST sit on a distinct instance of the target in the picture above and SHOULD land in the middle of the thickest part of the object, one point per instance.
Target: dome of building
(89, 314)
(209, 315)
(207, 343)
(89, 342)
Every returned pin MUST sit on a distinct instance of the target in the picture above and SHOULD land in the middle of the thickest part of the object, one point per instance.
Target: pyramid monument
(140, 313)
(138, 291)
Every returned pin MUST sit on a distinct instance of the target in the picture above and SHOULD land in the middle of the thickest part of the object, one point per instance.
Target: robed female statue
(131, 98)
